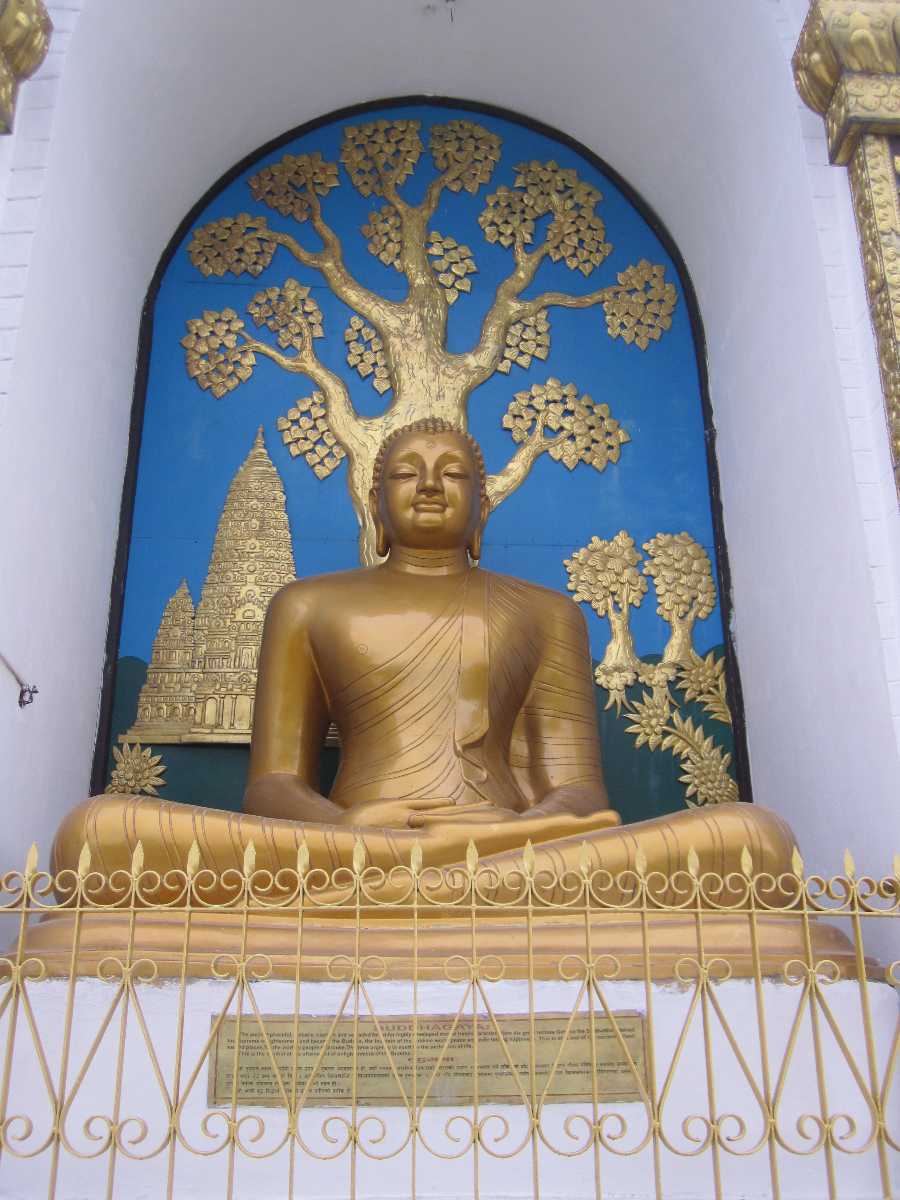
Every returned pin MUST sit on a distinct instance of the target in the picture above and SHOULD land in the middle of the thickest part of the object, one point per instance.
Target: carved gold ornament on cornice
(847, 69)
(25, 29)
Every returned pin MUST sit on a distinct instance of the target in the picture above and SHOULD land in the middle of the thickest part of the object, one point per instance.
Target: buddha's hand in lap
(392, 814)
(495, 829)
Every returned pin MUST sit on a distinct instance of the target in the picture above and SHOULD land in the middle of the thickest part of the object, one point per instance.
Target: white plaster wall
(693, 103)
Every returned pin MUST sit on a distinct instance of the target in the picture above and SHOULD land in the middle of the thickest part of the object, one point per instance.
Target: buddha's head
(429, 489)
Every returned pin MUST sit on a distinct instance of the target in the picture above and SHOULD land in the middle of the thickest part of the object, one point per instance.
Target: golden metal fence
(435, 1031)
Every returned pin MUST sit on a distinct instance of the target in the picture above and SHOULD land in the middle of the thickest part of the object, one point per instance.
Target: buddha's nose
(429, 482)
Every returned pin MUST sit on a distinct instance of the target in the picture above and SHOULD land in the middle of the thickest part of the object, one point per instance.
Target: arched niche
(592, 410)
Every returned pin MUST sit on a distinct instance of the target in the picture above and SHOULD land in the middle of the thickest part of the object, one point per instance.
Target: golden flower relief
(137, 771)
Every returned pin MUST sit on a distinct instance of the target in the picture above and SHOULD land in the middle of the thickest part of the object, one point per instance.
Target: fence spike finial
(302, 858)
(137, 859)
(584, 860)
(528, 858)
(640, 863)
(31, 859)
(415, 857)
(472, 857)
(797, 863)
(193, 859)
(359, 856)
(249, 859)
(746, 863)
(849, 865)
(84, 861)
(693, 863)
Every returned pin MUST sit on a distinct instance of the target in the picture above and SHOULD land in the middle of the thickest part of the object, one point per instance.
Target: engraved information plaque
(445, 1058)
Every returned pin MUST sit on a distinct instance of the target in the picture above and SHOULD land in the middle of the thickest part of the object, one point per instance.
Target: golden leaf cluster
(213, 355)
(306, 430)
(681, 570)
(380, 149)
(453, 263)
(585, 431)
(383, 232)
(525, 340)
(656, 724)
(604, 571)
(289, 311)
(235, 244)
(642, 310)
(285, 185)
(365, 353)
(469, 152)
(137, 771)
(704, 681)
(577, 235)
(650, 715)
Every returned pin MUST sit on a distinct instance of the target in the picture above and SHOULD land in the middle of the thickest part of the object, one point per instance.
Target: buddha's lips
(429, 506)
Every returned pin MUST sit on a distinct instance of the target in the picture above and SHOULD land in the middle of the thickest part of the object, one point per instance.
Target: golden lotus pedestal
(284, 945)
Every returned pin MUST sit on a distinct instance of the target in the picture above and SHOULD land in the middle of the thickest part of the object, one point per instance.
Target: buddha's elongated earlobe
(474, 546)
(382, 545)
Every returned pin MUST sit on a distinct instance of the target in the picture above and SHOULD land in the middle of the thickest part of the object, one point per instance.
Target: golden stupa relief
(201, 680)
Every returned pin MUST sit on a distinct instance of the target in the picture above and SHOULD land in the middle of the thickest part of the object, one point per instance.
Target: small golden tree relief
(610, 577)
(400, 345)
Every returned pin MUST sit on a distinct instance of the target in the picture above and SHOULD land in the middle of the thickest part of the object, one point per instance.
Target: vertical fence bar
(762, 1029)
(14, 985)
(65, 1051)
(862, 987)
(190, 870)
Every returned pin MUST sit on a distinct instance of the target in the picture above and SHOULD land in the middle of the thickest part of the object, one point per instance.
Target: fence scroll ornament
(65, 1095)
(542, 213)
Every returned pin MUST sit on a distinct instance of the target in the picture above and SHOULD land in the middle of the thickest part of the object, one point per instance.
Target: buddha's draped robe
(484, 704)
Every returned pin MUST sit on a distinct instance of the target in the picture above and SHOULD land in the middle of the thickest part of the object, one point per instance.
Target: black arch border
(145, 339)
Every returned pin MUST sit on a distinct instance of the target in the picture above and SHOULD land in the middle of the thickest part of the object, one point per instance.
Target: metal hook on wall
(27, 691)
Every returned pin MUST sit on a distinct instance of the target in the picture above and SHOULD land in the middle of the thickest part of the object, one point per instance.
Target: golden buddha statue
(465, 706)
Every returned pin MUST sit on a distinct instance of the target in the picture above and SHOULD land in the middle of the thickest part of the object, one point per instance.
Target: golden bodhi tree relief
(540, 212)
(410, 260)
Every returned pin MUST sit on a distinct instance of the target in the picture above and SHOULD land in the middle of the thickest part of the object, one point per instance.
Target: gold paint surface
(400, 345)
(465, 705)
(382, 1050)
(847, 68)
(201, 680)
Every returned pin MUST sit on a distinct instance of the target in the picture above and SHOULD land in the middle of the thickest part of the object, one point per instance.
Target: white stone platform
(562, 1158)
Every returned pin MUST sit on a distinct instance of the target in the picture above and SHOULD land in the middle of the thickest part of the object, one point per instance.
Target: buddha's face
(430, 494)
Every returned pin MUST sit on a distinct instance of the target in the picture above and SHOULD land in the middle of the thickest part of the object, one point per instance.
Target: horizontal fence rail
(448, 1031)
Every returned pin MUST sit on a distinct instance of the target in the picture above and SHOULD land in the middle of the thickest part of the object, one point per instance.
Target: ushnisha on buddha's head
(429, 489)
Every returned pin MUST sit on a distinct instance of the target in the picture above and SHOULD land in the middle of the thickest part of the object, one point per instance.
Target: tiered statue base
(665, 947)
